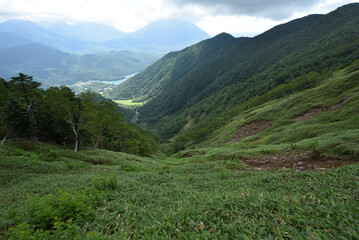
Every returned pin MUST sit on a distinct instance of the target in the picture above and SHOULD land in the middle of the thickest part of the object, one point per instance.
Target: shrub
(106, 183)
(62, 207)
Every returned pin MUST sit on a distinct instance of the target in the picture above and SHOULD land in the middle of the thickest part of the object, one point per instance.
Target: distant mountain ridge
(53, 67)
(35, 33)
(203, 94)
(84, 31)
(9, 40)
(161, 36)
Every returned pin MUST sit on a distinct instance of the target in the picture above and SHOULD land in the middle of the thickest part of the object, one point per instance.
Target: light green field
(129, 103)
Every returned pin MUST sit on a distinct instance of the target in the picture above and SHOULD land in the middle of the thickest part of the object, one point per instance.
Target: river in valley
(124, 78)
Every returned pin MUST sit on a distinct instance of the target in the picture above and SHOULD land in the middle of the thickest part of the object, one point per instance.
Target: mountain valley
(223, 138)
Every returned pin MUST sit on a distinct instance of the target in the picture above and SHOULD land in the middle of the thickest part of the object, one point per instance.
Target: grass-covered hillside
(301, 48)
(323, 119)
(285, 169)
(48, 192)
(261, 141)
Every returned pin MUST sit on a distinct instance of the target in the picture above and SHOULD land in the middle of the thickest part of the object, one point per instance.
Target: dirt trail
(311, 113)
(298, 161)
(251, 129)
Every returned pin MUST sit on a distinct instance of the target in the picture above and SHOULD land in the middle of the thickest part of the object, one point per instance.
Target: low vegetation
(49, 192)
(324, 118)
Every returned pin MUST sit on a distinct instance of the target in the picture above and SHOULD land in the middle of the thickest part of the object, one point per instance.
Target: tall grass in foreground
(171, 198)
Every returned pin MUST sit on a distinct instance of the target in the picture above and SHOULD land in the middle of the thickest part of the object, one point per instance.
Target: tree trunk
(6, 127)
(76, 144)
(4, 139)
(98, 141)
(76, 130)
(33, 126)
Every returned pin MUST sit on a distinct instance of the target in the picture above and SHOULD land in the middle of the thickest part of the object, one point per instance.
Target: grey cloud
(273, 9)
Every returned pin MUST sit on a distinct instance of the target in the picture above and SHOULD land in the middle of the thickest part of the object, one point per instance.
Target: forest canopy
(58, 115)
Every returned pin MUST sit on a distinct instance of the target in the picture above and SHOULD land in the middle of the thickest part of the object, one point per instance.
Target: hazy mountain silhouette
(161, 36)
(9, 40)
(36, 33)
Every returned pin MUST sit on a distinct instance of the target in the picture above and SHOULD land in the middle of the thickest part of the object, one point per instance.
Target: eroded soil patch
(251, 129)
(311, 113)
(298, 161)
(315, 111)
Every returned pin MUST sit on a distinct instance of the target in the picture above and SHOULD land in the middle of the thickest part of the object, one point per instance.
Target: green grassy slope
(48, 192)
(323, 119)
(281, 55)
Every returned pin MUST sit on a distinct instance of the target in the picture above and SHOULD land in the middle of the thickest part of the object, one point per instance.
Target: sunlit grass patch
(129, 102)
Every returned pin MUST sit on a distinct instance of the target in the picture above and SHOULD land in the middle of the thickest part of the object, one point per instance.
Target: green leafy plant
(106, 183)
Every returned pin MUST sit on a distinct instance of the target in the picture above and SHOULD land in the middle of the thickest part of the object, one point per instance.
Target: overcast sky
(238, 17)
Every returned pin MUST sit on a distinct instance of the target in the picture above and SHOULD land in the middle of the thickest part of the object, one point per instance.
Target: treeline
(58, 115)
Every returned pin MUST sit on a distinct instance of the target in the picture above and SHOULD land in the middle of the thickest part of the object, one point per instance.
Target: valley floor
(48, 192)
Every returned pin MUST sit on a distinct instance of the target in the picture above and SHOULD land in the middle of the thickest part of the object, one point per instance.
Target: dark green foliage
(161, 76)
(17, 117)
(64, 118)
(19, 106)
(24, 87)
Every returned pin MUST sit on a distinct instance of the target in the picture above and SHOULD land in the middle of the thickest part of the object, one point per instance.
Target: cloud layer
(240, 17)
(272, 9)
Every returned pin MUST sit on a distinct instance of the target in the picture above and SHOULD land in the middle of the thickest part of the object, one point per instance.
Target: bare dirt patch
(315, 111)
(300, 161)
(251, 129)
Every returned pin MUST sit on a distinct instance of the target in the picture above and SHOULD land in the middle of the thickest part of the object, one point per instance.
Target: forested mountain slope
(281, 55)
(161, 75)
(53, 67)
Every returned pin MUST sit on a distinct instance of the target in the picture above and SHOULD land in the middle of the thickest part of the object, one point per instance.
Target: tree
(27, 90)
(4, 93)
(66, 106)
(99, 117)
